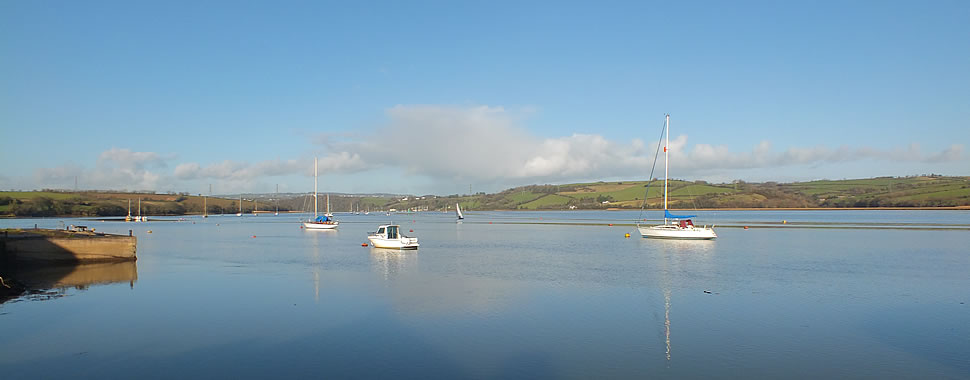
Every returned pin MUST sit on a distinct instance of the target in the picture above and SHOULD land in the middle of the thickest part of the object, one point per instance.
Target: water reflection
(393, 262)
(673, 254)
(41, 282)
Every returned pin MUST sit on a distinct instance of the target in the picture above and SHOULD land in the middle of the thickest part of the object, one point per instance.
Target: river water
(801, 294)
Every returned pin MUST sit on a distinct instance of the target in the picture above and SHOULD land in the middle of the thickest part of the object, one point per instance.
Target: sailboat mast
(314, 188)
(666, 160)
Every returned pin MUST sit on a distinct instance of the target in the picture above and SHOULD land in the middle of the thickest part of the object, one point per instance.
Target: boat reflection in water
(42, 282)
(392, 262)
(674, 255)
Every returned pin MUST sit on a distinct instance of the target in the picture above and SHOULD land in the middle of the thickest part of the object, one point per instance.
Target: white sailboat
(326, 221)
(138, 218)
(240, 206)
(128, 218)
(277, 199)
(458, 212)
(205, 207)
(255, 207)
(684, 228)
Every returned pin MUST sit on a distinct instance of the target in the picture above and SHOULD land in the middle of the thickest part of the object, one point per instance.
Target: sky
(442, 97)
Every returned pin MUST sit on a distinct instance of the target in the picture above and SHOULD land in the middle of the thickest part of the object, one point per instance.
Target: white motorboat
(389, 236)
(325, 222)
(684, 227)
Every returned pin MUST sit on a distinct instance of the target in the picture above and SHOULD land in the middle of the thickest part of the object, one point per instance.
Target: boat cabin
(686, 223)
(390, 232)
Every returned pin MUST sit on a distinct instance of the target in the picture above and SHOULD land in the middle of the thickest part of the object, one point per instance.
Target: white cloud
(486, 145)
(245, 171)
(115, 169)
(481, 145)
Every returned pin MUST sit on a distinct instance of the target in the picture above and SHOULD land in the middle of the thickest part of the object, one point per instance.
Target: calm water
(534, 294)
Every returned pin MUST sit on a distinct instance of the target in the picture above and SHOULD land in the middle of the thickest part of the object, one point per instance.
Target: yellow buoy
(784, 222)
(627, 235)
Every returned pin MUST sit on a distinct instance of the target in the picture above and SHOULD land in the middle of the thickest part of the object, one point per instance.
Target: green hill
(916, 191)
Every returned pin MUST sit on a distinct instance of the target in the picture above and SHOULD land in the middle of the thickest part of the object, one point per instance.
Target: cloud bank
(472, 144)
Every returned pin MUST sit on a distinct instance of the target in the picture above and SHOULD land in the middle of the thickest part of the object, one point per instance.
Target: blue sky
(431, 97)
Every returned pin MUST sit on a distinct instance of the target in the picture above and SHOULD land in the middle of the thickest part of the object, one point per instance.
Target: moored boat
(325, 222)
(390, 236)
(684, 228)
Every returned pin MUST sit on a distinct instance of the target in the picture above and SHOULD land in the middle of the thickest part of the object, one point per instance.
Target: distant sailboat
(240, 206)
(255, 206)
(128, 218)
(139, 218)
(326, 221)
(458, 212)
(277, 199)
(205, 207)
(683, 230)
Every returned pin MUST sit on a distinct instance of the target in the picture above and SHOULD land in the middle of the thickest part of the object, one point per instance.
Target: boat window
(380, 230)
(392, 232)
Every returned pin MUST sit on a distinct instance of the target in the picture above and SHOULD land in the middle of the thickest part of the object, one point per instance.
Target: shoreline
(947, 208)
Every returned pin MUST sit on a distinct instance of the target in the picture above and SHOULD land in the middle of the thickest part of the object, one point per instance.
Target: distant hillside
(917, 191)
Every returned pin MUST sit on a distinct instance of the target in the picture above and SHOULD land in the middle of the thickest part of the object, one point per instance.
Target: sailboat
(458, 212)
(205, 207)
(684, 228)
(128, 218)
(277, 199)
(326, 221)
(240, 206)
(138, 217)
(255, 207)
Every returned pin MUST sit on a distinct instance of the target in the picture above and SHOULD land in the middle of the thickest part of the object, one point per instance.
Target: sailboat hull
(320, 226)
(676, 232)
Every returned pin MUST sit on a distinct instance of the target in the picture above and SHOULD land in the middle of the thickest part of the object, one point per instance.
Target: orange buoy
(745, 227)
(489, 222)
(410, 230)
(254, 236)
(363, 244)
(611, 224)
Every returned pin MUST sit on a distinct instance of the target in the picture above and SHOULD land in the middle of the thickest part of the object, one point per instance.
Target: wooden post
(129, 232)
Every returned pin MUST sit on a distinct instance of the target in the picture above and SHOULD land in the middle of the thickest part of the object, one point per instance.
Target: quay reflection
(42, 282)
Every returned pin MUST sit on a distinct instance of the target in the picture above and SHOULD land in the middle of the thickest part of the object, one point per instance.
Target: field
(918, 191)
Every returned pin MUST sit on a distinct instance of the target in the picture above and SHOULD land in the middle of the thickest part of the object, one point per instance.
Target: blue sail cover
(321, 219)
(667, 214)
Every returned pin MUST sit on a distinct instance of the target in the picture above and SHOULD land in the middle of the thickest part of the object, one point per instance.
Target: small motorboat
(389, 236)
